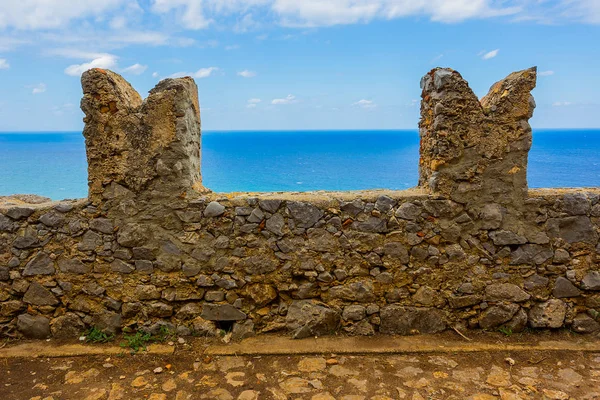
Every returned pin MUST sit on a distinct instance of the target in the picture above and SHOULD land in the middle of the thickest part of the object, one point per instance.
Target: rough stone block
(306, 215)
(214, 209)
(67, 326)
(19, 212)
(74, 266)
(497, 315)
(583, 323)
(399, 320)
(573, 229)
(550, 314)
(591, 280)
(34, 327)
(505, 292)
(354, 313)
(564, 288)
(221, 312)
(306, 318)
(41, 264)
(38, 295)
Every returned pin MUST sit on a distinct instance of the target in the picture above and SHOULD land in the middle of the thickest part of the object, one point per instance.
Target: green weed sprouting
(505, 330)
(95, 335)
(164, 334)
(138, 341)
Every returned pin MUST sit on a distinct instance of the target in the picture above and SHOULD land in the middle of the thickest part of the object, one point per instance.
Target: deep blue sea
(54, 164)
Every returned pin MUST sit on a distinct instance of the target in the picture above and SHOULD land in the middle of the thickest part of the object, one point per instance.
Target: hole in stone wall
(226, 326)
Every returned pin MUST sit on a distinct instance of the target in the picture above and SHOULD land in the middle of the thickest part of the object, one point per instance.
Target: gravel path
(188, 375)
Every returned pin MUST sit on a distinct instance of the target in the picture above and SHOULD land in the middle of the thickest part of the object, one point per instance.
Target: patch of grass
(138, 341)
(505, 330)
(164, 334)
(95, 335)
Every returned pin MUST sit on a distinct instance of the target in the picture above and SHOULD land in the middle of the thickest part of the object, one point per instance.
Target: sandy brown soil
(191, 374)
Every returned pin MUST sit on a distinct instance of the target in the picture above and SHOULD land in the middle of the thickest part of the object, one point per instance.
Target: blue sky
(297, 64)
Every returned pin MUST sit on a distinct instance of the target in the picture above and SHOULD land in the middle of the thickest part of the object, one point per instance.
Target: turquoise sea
(53, 164)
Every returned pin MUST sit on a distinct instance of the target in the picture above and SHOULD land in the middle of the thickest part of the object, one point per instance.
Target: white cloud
(204, 72)
(585, 11)
(135, 69)
(490, 54)
(313, 13)
(118, 22)
(367, 104)
(200, 14)
(155, 75)
(247, 23)
(201, 73)
(252, 103)
(589, 11)
(4, 64)
(190, 13)
(9, 43)
(233, 6)
(112, 19)
(103, 39)
(562, 104)
(49, 14)
(39, 88)
(232, 47)
(95, 60)
(289, 99)
(140, 37)
(247, 74)
(197, 14)
(545, 73)
(101, 60)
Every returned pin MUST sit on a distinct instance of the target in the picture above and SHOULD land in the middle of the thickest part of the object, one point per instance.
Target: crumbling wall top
(472, 151)
(476, 151)
(147, 147)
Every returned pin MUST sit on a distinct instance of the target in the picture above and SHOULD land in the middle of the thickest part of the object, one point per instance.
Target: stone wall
(470, 247)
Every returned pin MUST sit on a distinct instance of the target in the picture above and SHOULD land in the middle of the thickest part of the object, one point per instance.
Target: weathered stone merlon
(472, 151)
(145, 146)
(475, 151)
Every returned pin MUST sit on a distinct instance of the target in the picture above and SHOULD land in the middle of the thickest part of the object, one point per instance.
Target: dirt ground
(189, 373)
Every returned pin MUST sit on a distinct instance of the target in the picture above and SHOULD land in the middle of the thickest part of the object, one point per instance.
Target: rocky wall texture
(150, 146)
(469, 248)
(473, 151)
